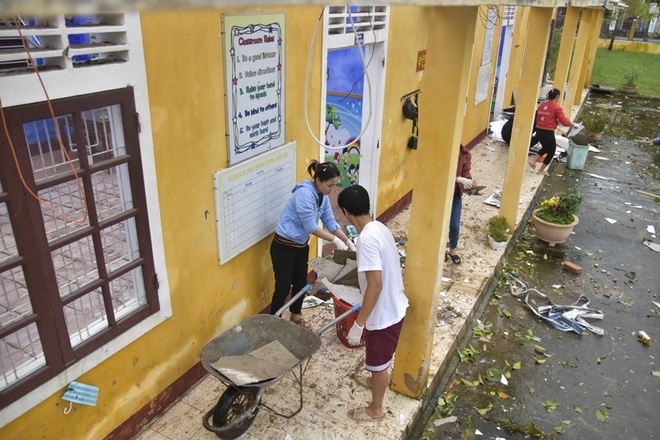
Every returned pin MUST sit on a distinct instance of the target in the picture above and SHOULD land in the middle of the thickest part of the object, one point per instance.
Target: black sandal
(455, 259)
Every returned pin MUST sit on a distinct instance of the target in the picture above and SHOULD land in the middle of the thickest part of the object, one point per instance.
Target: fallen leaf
(516, 365)
(577, 409)
(503, 395)
(601, 415)
(550, 405)
(531, 390)
(483, 411)
(656, 373)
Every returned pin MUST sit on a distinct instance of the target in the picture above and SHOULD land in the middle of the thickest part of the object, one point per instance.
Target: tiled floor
(331, 382)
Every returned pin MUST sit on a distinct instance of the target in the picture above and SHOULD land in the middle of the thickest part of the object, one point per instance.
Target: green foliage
(610, 67)
(561, 208)
(498, 228)
(631, 75)
(594, 122)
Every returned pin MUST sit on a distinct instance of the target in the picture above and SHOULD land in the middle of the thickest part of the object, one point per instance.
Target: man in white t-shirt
(384, 302)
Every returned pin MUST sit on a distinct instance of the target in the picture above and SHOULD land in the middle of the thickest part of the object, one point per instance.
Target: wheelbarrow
(239, 404)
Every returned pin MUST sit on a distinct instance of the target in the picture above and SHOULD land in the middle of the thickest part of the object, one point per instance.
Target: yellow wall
(477, 116)
(396, 160)
(630, 46)
(185, 74)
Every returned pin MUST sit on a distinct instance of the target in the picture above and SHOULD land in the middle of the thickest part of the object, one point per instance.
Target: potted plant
(555, 219)
(498, 232)
(594, 125)
(630, 77)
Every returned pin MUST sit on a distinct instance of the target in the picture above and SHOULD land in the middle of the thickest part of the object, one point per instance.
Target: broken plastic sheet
(267, 362)
(571, 317)
(495, 199)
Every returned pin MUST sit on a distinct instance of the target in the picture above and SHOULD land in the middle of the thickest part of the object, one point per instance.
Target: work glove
(339, 244)
(355, 335)
(467, 183)
(351, 246)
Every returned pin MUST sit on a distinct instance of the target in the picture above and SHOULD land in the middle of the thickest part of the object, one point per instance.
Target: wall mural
(343, 112)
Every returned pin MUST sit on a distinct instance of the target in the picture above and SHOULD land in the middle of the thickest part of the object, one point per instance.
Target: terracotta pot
(593, 136)
(552, 233)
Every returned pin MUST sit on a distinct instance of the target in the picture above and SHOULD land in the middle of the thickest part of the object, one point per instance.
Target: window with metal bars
(76, 263)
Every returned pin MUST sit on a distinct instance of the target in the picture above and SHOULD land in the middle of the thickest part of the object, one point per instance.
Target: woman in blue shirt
(289, 250)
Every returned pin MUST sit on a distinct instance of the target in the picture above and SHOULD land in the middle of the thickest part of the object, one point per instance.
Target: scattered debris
(572, 267)
(643, 337)
(566, 318)
(610, 220)
(440, 422)
(598, 177)
(653, 246)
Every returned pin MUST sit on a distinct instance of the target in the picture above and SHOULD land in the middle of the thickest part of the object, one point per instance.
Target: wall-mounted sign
(249, 198)
(421, 60)
(254, 48)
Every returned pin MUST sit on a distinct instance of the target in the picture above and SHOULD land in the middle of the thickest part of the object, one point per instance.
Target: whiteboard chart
(249, 198)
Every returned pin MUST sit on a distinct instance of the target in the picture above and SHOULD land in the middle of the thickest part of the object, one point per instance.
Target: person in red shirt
(549, 114)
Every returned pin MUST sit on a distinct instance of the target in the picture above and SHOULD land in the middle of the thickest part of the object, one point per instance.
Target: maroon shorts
(381, 345)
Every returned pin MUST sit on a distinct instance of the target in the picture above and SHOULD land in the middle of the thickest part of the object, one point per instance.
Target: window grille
(509, 15)
(62, 42)
(364, 19)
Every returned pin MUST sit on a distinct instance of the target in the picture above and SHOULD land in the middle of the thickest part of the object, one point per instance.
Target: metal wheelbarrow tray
(239, 405)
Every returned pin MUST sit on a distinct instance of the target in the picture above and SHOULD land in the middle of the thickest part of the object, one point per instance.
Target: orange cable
(57, 135)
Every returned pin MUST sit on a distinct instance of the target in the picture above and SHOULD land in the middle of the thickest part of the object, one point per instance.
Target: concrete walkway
(332, 382)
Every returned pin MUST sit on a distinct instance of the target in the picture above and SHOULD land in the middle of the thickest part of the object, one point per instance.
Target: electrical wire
(57, 135)
(306, 87)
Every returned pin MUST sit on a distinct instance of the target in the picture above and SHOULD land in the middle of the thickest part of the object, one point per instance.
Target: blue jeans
(455, 220)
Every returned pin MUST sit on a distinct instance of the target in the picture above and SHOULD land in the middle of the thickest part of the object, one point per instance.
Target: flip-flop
(455, 259)
(365, 382)
(360, 415)
(301, 322)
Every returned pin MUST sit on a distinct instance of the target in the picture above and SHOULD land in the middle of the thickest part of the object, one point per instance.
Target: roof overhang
(46, 7)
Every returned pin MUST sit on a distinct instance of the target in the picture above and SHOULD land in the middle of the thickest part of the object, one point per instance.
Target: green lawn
(609, 69)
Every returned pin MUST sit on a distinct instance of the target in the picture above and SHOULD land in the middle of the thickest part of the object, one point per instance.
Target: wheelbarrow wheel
(234, 402)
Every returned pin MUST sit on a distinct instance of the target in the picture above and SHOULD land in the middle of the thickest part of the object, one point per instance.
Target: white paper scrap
(653, 246)
(610, 220)
(650, 229)
(598, 177)
(504, 380)
(602, 158)
(556, 286)
(477, 432)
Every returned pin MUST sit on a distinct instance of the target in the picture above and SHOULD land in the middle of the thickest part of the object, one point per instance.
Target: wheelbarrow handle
(339, 318)
(293, 299)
